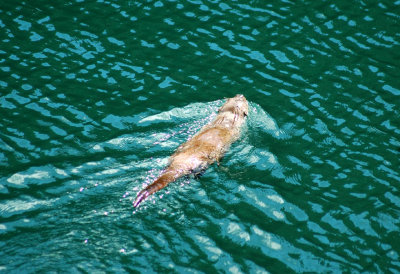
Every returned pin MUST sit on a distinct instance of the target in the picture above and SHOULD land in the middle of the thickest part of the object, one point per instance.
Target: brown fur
(204, 148)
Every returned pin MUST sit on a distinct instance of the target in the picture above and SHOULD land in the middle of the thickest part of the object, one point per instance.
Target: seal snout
(239, 97)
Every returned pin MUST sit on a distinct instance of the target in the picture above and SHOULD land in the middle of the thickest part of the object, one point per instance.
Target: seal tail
(167, 177)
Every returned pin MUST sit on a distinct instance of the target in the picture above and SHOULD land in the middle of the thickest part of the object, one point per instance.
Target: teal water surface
(95, 95)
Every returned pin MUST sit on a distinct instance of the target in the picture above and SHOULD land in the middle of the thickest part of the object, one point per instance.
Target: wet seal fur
(204, 148)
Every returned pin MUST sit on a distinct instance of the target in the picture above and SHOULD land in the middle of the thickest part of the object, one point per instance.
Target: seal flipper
(165, 178)
(140, 197)
(199, 173)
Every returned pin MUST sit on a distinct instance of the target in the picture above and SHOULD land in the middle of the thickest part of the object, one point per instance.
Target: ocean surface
(95, 96)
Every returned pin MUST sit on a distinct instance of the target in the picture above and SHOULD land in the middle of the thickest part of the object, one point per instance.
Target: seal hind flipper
(161, 182)
(140, 197)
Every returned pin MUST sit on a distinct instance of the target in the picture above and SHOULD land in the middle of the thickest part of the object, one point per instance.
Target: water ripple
(96, 96)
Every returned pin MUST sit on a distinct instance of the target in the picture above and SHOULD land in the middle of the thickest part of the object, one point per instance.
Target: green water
(95, 95)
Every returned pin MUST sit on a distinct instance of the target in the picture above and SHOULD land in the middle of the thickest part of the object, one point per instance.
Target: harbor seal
(204, 148)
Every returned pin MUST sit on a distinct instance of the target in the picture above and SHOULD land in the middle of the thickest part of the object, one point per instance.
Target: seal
(204, 148)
